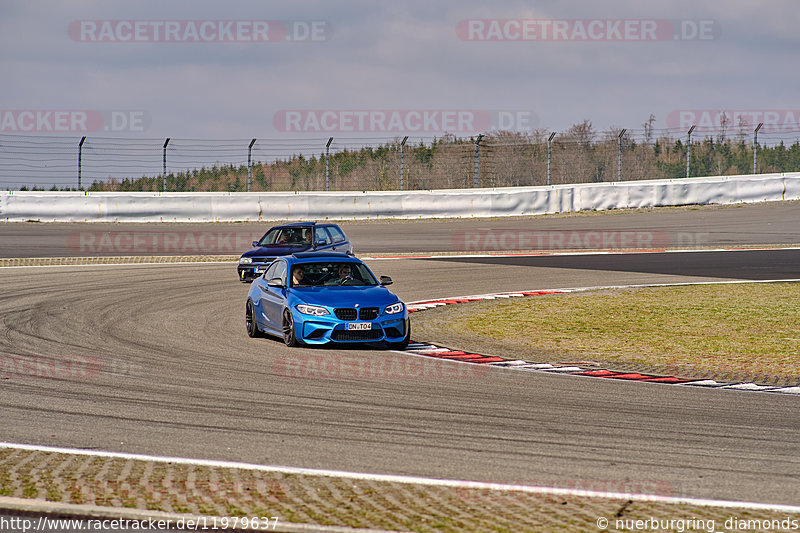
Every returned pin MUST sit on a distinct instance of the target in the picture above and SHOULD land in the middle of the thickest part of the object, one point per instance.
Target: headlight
(312, 310)
(245, 260)
(394, 308)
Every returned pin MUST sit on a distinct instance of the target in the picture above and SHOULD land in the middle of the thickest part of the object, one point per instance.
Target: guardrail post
(755, 146)
(80, 159)
(402, 145)
(249, 166)
(328, 164)
(165, 164)
(689, 149)
(549, 143)
(476, 163)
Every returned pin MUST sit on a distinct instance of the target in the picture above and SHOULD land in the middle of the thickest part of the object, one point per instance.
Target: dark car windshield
(332, 273)
(287, 237)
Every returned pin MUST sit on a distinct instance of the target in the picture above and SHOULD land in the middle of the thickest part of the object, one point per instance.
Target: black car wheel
(403, 344)
(289, 337)
(250, 321)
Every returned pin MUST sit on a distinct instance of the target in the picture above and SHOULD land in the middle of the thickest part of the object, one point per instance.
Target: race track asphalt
(171, 372)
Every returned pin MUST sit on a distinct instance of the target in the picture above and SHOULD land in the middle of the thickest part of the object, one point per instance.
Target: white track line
(428, 302)
(577, 252)
(414, 480)
(122, 264)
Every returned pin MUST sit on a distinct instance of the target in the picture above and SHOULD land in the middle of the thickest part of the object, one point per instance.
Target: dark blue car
(321, 298)
(287, 239)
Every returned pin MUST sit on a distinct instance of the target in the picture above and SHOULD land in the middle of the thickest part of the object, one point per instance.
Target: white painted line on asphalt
(578, 252)
(787, 390)
(601, 287)
(749, 386)
(217, 263)
(566, 369)
(461, 484)
(705, 383)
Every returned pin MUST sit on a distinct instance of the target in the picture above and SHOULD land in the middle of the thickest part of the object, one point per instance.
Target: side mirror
(255, 243)
(320, 242)
(275, 282)
(386, 280)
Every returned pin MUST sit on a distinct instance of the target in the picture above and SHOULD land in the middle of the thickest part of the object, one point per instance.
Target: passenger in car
(297, 277)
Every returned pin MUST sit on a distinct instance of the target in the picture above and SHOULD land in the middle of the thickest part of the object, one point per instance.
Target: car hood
(376, 296)
(274, 250)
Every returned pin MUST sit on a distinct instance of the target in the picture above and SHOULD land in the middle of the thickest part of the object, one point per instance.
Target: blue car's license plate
(351, 326)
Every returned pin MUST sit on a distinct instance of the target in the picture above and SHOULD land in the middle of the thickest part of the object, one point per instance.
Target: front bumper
(250, 271)
(323, 330)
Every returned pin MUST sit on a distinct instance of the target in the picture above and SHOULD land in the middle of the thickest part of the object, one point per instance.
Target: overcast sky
(623, 60)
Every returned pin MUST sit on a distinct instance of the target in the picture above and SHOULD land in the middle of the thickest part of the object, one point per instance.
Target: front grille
(343, 335)
(368, 313)
(349, 313)
(263, 259)
(346, 313)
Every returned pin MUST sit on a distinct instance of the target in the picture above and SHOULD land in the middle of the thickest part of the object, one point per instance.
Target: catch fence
(494, 159)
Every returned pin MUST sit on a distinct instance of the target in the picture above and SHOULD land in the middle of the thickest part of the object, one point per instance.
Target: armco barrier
(17, 206)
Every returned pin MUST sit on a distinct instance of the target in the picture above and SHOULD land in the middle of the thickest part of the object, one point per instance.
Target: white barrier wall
(17, 206)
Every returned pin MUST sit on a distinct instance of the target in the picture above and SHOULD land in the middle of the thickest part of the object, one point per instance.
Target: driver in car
(344, 274)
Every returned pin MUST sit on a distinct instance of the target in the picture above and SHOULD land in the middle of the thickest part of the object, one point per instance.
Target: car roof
(302, 224)
(323, 255)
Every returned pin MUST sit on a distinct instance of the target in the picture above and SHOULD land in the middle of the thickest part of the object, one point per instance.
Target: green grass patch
(751, 328)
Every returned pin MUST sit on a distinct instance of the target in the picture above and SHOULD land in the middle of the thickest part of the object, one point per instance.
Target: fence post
(165, 164)
(402, 145)
(80, 158)
(619, 154)
(755, 146)
(328, 164)
(549, 142)
(476, 164)
(249, 167)
(689, 149)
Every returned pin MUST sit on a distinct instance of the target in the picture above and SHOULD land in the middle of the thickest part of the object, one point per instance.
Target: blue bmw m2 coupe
(325, 297)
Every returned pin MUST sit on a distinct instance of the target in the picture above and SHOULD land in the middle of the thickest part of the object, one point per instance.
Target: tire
(250, 321)
(289, 336)
(403, 344)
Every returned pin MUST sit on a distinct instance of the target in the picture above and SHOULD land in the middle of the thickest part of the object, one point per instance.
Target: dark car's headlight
(394, 308)
(312, 310)
(245, 260)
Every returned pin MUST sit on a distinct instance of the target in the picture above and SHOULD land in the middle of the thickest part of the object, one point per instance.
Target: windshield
(331, 274)
(287, 237)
